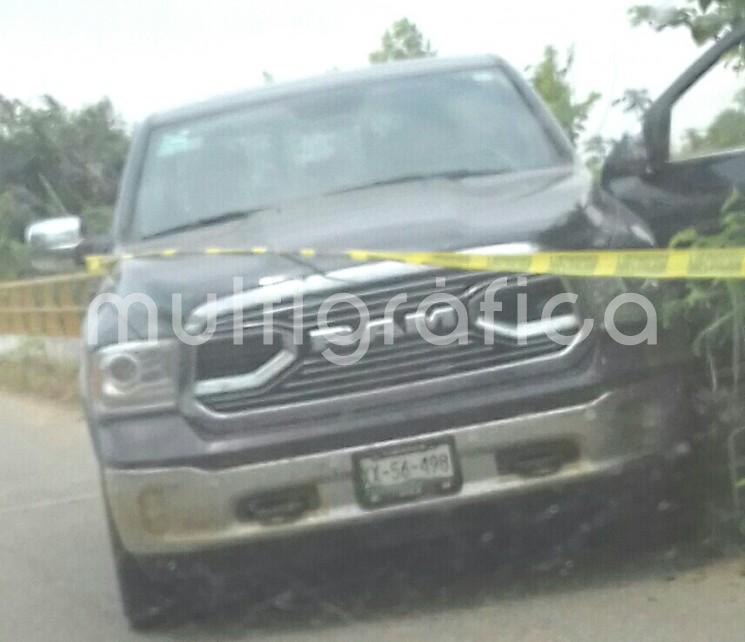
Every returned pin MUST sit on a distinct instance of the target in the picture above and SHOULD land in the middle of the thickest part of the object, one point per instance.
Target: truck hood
(552, 209)
(428, 214)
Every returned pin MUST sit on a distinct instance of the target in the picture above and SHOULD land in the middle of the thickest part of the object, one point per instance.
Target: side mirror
(54, 242)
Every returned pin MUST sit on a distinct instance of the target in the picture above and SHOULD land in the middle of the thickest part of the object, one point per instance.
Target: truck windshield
(450, 124)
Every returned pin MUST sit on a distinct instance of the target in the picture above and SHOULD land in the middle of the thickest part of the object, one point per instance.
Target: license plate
(404, 474)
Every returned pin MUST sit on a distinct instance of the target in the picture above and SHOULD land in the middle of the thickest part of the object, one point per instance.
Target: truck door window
(710, 117)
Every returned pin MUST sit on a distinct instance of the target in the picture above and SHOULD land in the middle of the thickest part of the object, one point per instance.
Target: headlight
(134, 377)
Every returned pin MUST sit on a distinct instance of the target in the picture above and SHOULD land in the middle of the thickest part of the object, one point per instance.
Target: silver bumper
(177, 510)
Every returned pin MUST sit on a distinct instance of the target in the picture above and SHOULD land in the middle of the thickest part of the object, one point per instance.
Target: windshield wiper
(205, 222)
(456, 174)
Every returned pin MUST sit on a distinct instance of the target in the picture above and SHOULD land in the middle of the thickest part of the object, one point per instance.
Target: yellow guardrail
(54, 306)
(50, 307)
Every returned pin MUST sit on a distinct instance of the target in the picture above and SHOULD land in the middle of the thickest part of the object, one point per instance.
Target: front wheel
(146, 602)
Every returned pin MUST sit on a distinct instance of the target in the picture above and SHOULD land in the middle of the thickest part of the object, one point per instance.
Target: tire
(147, 603)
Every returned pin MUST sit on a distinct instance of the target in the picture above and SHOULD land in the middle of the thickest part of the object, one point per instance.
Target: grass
(29, 370)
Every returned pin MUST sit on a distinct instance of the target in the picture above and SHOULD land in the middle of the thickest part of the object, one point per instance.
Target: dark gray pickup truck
(237, 400)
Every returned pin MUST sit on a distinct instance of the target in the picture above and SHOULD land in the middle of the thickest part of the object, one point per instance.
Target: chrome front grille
(410, 359)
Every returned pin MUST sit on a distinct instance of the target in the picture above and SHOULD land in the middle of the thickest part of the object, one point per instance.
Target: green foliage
(402, 41)
(634, 101)
(14, 216)
(550, 78)
(97, 219)
(30, 370)
(597, 149)
(706, 20)
(55, 161)
(727, 131)
(715, 310)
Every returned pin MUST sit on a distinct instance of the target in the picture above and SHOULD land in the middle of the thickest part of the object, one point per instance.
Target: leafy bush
(715, 310)
(55, 161)
(30, 370)
(14, 216)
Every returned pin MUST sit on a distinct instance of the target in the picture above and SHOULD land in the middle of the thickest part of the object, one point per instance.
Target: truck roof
(398, 69)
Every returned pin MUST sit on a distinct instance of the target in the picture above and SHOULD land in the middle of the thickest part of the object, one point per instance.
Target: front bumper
(184, 509)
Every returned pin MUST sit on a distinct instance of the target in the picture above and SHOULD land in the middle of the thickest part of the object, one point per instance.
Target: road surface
(56, 576)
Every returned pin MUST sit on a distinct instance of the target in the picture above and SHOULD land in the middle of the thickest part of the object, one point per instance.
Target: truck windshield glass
(324, 142)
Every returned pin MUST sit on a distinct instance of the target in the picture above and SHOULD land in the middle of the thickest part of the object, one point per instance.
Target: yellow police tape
(707, 263)
(54, 306)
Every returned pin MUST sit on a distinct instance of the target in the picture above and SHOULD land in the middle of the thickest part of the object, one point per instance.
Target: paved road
(56, 578)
